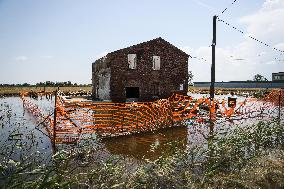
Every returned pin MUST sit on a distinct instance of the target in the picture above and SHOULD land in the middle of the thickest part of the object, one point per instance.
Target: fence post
(279, 106)
(211, 126)
(54, 122)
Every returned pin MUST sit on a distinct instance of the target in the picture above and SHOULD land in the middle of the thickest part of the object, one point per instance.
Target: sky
(57, 40)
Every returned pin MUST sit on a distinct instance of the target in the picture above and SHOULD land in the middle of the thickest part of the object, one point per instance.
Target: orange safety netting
(276, 97)
(74, 119)
(35, 110)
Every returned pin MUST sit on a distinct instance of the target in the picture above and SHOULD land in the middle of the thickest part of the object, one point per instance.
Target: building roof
(159, 39)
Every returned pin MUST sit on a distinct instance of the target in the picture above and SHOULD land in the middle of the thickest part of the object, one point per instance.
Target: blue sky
(58, 40)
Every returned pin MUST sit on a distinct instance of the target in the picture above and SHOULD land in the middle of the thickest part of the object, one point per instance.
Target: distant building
(243, 84)
(278, 76)
(143, 72)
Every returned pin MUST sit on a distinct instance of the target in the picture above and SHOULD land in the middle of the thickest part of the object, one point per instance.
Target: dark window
(132, 92)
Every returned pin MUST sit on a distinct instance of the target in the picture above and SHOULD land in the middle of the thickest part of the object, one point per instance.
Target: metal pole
(54, 122)
(213, 59)
(211, 126)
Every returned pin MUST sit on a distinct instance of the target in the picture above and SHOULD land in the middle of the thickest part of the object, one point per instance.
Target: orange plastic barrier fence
(74, 119)
(41, 118)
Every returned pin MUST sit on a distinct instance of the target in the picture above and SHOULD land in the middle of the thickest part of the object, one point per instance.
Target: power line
(200, 58)
(255, 39)
(279, 60)
(228, 7)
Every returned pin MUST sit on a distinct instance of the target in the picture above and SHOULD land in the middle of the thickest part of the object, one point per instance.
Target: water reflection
(148, 145)
(18, 136)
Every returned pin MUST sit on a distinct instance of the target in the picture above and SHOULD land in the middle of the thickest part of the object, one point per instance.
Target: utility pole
(213, 59)
(211, 126)
(54, 123)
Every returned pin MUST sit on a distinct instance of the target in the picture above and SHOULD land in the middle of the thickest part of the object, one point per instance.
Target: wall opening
(132, 92)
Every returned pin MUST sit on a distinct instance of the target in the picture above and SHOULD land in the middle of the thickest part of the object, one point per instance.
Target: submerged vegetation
(245, 157)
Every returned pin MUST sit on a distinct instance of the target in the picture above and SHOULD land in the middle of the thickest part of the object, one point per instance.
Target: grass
(17, 90)
(250, 157)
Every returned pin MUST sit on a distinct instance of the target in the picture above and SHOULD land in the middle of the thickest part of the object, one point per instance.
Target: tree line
(47, 84)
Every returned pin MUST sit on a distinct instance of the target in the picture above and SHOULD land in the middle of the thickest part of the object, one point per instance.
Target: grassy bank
(17, 90)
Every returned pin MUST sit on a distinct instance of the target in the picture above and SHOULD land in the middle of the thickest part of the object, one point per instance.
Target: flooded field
(20, 136)
(177, 156)
(19, 127)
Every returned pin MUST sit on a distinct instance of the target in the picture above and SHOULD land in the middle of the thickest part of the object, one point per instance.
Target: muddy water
(148, 145)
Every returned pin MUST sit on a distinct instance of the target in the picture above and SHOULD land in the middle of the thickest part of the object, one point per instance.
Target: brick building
(142, 72)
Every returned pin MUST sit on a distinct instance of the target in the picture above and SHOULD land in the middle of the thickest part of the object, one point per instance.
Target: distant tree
(190, 77)
(259, 77)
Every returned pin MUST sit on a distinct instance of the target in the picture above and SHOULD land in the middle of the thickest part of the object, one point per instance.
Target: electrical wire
(200, 58)
(228, 7)
(255, 39)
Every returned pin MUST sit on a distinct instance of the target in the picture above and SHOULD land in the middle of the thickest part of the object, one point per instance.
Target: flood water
(20, 136)
(18, 126)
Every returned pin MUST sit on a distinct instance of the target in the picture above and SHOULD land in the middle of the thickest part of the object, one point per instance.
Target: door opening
(132, 92)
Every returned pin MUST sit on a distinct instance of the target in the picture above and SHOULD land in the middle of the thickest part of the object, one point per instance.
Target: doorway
(132, 92)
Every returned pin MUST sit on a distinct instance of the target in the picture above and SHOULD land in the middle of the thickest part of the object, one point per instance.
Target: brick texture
(152, 83)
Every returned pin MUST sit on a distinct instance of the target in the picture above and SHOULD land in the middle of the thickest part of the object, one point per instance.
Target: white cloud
(243, 61)
(21, 58)
(266, 23)
(279, 46)
(270, 63)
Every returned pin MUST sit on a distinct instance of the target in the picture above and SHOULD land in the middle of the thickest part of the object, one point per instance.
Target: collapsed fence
(77, 120)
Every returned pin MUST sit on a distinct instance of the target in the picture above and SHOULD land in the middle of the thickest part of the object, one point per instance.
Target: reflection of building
(148, 145)
(278, 76)
(149, 70)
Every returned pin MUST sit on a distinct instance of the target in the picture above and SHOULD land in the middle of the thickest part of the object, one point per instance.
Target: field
(17, 90)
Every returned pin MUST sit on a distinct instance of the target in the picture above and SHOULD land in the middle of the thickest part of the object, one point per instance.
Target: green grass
(17, 90)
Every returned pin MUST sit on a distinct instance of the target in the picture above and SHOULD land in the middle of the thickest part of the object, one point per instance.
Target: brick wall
(173, 71)
(162, 83)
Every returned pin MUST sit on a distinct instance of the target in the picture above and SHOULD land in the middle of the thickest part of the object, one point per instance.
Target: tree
(259, 77)
(190, 77)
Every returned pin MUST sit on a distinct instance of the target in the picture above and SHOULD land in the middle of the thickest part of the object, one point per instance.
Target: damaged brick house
(142, 72)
